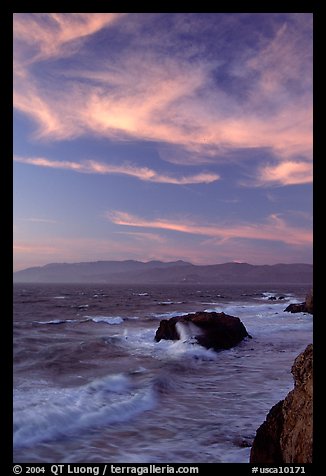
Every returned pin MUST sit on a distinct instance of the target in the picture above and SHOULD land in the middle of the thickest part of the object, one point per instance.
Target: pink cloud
(223, 243)
(165, 114)
(43, 162)
(31, 103)
(171, 102)
(76, 249)
(141, 173)
(274, 229)
(286, 173)
(48, 33)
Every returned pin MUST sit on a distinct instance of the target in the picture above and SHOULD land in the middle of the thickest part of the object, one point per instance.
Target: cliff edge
(286, 434)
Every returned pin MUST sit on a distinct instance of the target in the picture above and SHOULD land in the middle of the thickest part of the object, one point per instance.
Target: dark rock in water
(242, 442)
(296, 307)
(286, 434)
(281, 297)
(212, 330)
(272, 298)
(306, 306)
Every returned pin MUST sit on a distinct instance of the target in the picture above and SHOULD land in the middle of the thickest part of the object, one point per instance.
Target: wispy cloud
(175, 100)
(142, 173)
(274, 229)
(286, 173)
(57, 34)
(145, 246)
(170, 113)
(142, 236)
(40, 220)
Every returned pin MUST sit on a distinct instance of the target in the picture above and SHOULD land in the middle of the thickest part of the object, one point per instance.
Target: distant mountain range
(158, 272)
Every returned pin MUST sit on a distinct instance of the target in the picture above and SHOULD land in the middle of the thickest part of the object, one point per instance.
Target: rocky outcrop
(286, 434)
(310, 303)
(266, 448)
(296, 308)
(212, 330)
(306, 306)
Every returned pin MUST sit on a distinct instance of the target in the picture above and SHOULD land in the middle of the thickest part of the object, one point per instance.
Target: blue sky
(162, 136)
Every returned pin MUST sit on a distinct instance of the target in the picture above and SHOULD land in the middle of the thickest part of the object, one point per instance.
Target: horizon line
(158, 261)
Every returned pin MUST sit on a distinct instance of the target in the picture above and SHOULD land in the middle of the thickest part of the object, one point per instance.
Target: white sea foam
(187, 331)
(168, 315)
(57, 321)
(142, 343)
(211, 401)
(284, 296)
(106, 319)
(53, 413)
(113, 320)
(259, 309)
(267, 295)
(187, 351)
(261, 320)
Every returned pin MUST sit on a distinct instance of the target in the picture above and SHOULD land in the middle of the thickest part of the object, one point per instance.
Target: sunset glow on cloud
(165, 115)
(142, 173)
(287, 173)
(274, 230)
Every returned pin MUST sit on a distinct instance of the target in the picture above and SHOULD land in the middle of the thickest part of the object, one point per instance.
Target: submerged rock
(286, 434)
(213, 330)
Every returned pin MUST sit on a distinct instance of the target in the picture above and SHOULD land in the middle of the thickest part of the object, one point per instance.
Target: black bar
(108, 469)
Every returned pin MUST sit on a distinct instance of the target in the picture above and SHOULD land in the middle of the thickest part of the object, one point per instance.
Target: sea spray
(88, 391)
(56, 413)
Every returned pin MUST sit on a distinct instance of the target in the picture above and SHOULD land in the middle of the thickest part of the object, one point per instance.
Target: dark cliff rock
(306, 306)
(296, 439)
(210, 329)
(266, 448)
(310, 303)
(286, 434)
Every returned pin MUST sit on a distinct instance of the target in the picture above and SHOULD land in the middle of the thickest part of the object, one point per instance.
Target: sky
(162, 136)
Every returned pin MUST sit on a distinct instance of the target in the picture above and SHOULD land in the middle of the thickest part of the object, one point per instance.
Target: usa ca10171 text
(284, 470)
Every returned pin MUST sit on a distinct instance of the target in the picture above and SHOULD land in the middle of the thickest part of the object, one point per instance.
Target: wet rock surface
(212, 330)
(286, 436)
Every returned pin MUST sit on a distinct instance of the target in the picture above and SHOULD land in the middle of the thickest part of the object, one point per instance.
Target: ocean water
(92, 385)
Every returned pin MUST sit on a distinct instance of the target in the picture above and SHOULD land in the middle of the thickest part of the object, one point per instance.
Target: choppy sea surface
(92, 385)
